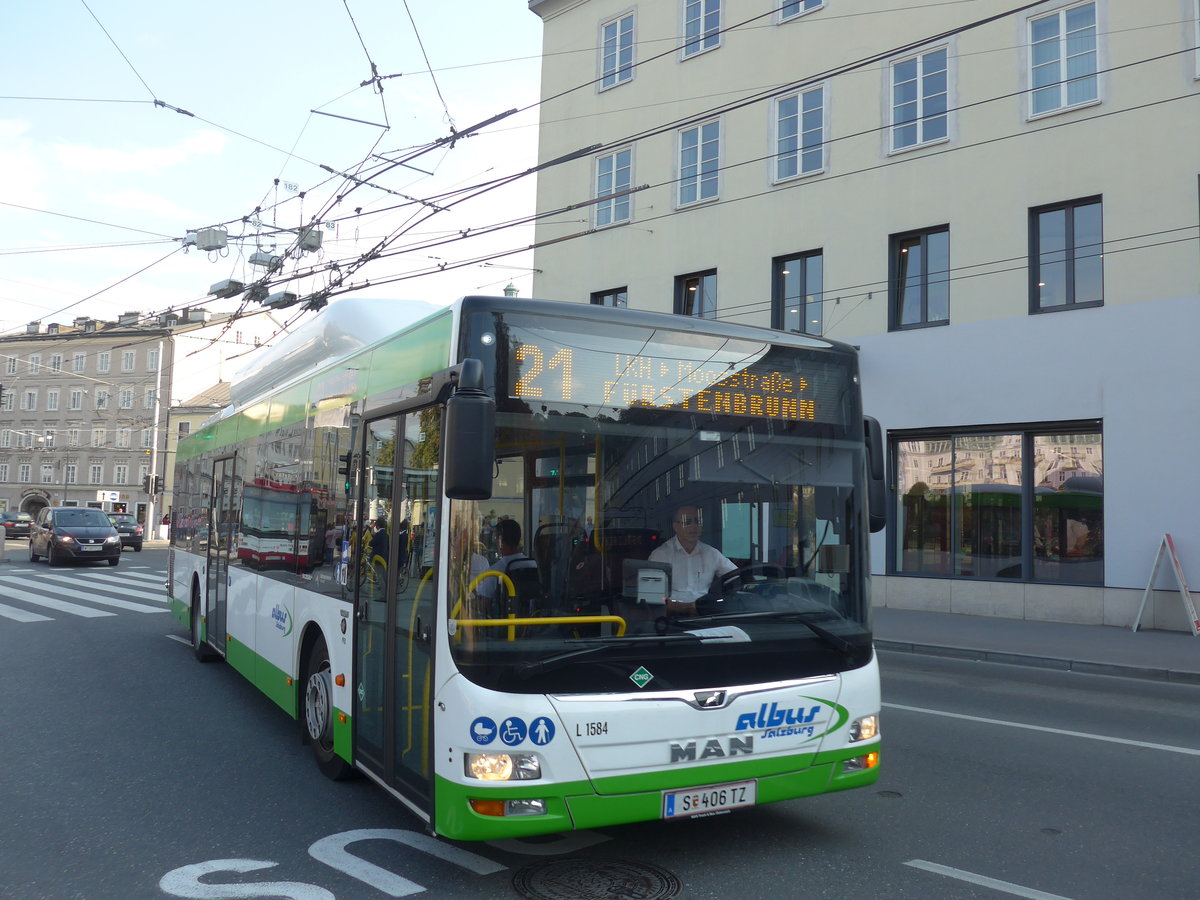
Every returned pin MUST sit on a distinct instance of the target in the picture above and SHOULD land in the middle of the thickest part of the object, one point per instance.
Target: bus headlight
(503, 766)
(864, 729)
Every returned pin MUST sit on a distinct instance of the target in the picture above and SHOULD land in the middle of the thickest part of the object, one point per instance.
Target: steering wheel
(724, 585)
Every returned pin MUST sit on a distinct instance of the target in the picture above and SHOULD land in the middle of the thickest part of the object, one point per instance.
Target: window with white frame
(699, 162)
(152, 360)
(24, 439)
(147, 438)
(76, 401)
(126, 398)
(70, 474)
(8, 402)
(101, 399)
(920, 92)
(800, 134)
(29, 400)
(96, 474)
(79, 362)
(6, 438)
(98, 436)
(56, 362)
(10, 366)
(127, 361)
(616, 51)
(143, 471)
(791, 9)
(47, 473)
(35, 365)
(701, 26)
(3, 471)
(103, 361)
(72, 437)
(23, 473)
(120, 474)
(614, 173)
(48, 438)
(1063, 59)
(149, 398)
(52, 400)
(124, 437)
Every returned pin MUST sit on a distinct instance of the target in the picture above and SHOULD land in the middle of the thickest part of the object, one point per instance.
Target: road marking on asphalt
(983, 881)
(1187, 751)
(61, 605)
(92, 597)
(20, 615)
(175, 637)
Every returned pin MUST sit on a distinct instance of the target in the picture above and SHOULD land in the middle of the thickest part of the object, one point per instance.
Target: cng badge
(641, 677)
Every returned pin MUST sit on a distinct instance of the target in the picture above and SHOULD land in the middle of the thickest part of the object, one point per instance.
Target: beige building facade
(998, 203)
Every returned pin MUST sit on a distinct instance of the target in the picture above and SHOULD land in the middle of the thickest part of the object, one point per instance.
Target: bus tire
(316, 712)
(200, 648)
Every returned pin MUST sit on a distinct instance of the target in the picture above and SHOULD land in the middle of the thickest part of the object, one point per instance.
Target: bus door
(224, 518)
(395, 603)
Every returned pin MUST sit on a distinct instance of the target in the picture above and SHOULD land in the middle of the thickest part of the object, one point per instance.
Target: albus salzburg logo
(282, 619)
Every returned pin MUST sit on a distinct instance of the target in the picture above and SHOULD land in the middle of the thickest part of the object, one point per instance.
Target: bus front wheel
(316, 713)
(200, 648)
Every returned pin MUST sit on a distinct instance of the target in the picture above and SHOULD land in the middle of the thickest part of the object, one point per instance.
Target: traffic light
(157, 485)
(148, 483)
(345, 462)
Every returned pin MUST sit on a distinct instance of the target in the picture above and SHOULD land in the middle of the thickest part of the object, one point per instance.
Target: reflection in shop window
(1014, 505)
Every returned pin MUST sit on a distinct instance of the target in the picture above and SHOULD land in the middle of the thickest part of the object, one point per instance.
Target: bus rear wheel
(316, 713)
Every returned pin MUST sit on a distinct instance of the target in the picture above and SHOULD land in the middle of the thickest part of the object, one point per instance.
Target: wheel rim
(317, 705)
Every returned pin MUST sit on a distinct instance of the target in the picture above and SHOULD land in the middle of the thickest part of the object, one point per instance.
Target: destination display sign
(700, 374)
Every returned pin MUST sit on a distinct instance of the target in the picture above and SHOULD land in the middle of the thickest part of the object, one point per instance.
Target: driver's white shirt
(691, 573)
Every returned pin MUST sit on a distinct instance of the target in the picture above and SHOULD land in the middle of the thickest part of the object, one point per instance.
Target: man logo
(713, 749)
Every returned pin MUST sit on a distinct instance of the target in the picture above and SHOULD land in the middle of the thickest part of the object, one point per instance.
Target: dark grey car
(16, 524)
(74, 532)
(129, 528)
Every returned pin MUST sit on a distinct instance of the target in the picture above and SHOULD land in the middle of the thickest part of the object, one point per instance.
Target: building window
(52, 401)
(616, 51)
(149, 398)
(613, 176)
(147, 438)
(126, 398)
(185, 428)
(48, 438)
(127, 361)
(920, 88)
(919, 278)
(35, 365)
(6, 438)
(95, 474)
(696, 294)
(701, 26)
(1016, 504)
(120, 474)
(69, 474)
(78, 362)
(800, 134)
(76, 400)
(56, 363)
(791, 9)
(124, 438)
(98, 436)
(29, 400)
(7, 403)
(1066, 256)
(152, 360)
(101, 399)
(618, 297)
(3, 471)
(10, 366)
(1063, 59)
(47, 473)
(699, 154)
(23, 473)
(103, 361)
(796, 302)
(72, 437)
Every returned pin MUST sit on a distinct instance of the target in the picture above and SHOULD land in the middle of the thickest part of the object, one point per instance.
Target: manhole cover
(595, 879)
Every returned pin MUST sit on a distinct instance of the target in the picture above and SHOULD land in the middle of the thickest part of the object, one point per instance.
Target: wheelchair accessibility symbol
(513, 731)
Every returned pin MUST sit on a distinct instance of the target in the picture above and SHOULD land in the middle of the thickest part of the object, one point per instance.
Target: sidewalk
(1093, 649)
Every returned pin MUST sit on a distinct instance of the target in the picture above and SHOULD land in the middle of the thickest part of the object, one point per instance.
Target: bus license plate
(714, 798)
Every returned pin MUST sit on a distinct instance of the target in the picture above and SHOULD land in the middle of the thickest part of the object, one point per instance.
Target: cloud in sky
(83, 158)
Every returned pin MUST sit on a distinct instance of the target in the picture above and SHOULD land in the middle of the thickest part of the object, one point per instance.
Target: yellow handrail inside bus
(513, 623)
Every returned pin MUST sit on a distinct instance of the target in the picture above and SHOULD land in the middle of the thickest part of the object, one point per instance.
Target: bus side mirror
(469, 440)
(876, 486)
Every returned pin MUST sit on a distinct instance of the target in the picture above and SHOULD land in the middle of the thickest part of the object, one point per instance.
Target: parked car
(74, 532)
(16, 524)
(130, 530)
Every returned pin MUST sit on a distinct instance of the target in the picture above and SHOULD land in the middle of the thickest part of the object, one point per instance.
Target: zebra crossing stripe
(21, 615)
(50, 603)
(159, 596)
(102, 599)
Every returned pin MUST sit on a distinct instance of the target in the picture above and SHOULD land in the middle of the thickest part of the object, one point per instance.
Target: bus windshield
(669, 511)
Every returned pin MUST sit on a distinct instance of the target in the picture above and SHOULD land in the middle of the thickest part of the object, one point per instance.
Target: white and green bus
(609, 670)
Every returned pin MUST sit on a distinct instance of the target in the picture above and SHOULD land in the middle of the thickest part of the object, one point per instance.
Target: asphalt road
(129, 770)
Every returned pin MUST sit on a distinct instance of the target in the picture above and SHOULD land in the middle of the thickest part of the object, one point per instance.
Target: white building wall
(1128, 363)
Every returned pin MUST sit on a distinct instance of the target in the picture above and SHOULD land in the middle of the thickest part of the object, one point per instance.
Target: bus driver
(694, 563)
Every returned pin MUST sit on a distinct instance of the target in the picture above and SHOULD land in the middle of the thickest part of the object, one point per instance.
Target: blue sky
(98, 183)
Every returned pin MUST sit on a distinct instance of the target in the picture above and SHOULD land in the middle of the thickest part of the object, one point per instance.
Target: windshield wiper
(530, 668)
(836, 641)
